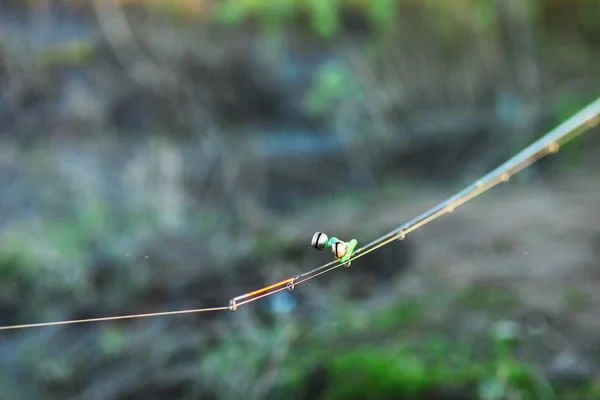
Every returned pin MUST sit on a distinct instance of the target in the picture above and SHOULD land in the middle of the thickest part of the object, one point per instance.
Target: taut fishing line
(344, 252)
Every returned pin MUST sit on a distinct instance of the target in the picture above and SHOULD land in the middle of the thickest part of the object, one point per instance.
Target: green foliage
(382, 12)
(112, 340)
(422, 367)
(250, 360)
(483, 15)
(404, 313)
(269, 14)
(333, 83)
(71, 238)
(589, 13)
(416, 369)
(372, 372)
(324, 17)
(576, 297)
(17, 265)
(231, 12)
(487, 299)
(404, 365)
(268, 244)
(564, 108)
(76, 53)
(14, 251)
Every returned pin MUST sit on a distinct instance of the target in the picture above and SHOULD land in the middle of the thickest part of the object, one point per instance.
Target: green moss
(333, 83)
(565, 107)
(360, 373)
(402, 314)
(70, 54)
(488, 299)
(112, 340)
(403, 370)
(17, 263)
(272, 244)
(576, 297)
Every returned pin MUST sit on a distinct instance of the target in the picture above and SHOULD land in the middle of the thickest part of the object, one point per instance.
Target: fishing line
(550, 143)
(78, 321)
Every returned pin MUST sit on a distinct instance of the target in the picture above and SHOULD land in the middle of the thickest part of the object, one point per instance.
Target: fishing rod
(344, 252)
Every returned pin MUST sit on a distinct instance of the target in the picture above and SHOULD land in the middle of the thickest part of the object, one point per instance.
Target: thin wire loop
(550, 143)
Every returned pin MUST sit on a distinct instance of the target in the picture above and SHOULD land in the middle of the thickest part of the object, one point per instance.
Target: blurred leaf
(111, 340)
(325, 16)
(333, 83)
(17, 259)
(484, 14)
(407, 312)
(231, 11)
(564, 107)
(382, 12)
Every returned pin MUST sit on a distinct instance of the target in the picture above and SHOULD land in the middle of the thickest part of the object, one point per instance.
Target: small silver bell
(339, 249)
(319, 241)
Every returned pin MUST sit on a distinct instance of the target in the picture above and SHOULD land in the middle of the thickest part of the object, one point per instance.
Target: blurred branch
(138, 64)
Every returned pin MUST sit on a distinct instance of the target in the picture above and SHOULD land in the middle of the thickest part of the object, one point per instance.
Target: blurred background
(162, 155)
